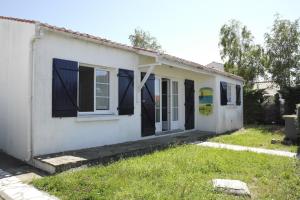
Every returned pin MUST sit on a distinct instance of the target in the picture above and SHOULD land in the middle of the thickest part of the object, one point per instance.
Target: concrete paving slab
(235, 187)
(251, 149)
(12, 188)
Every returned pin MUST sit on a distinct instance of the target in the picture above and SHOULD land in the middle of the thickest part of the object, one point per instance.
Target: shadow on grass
(274, 129)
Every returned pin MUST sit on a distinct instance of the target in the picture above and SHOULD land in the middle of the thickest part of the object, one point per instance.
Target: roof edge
(110, 43)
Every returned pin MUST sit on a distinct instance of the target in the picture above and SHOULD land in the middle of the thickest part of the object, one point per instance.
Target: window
(229, 100)
(94, 90)
(102, 90)
(175, 100)
(230, 93)
(157, 100)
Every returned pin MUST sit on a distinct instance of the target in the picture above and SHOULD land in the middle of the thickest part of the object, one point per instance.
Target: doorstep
(59, 162)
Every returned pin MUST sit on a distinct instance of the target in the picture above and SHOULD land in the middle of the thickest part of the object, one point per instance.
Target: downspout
(37, 35)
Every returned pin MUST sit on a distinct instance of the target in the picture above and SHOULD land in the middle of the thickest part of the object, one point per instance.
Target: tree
(144, 40)
(239, 53)
(282, 49)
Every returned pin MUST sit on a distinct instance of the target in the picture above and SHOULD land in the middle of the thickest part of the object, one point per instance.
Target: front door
(148, 106)
(189, 104)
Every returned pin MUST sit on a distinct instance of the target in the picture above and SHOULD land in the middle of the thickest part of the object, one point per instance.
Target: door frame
(173, 125)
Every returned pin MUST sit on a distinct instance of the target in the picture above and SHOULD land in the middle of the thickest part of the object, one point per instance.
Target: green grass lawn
(256, 136)
(183, 172)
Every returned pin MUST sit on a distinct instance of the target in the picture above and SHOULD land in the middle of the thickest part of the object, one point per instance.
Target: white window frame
(112, 93)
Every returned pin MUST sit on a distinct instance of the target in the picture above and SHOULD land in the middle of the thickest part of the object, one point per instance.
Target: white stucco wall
(15, 86)
(63, 134)
(50, 135)
(230, 117)
(208, 123)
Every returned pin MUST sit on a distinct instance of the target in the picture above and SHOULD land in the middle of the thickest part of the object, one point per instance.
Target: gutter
(37, 35)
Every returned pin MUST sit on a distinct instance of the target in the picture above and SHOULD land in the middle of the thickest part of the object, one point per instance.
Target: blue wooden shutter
(126, 92)
(148, 105)
(223, 92)
(189, 88)
(64, 88)
(238, 95)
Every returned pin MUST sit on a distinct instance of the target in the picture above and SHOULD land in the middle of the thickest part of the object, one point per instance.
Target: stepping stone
(234, 187)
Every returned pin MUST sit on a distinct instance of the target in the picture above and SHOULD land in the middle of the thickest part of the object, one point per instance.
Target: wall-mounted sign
(205, 101)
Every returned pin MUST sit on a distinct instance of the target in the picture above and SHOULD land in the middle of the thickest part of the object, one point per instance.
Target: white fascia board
(185, 67)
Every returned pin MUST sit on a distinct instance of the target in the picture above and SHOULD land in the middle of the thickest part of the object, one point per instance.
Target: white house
(63, 90)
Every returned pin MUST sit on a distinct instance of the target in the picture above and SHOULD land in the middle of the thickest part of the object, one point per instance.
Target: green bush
(291, 96)
(277, 113)
(253, 106)
(298, 118)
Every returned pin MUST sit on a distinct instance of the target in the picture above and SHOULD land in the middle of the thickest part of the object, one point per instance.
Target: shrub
(298, 118)
(291, 96)
(277, 110)
(253, 106)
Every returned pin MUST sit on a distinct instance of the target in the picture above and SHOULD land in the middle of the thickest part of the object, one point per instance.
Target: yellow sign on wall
(206, 101)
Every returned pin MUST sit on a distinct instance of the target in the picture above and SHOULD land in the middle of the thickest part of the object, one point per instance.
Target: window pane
(86, 89)
(102, 90)
(102, 76)
(229, 92)
(102, 103)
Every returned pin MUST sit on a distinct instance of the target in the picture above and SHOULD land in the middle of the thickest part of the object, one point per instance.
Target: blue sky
(185, 28)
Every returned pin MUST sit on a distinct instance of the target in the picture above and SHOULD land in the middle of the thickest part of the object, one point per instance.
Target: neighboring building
(63, 90)
(270, 87)
(216, 65)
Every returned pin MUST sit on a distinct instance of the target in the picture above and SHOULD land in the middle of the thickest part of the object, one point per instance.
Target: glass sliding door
(158, 124)
(174, 105)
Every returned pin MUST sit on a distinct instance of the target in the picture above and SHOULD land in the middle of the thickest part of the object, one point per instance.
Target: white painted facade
(15, 87)
(27, 126)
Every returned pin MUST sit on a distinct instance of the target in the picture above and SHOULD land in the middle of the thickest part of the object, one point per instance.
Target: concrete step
(55, 163)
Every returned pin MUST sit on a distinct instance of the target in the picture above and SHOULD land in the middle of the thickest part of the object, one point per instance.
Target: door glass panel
(157, 100)
(175, 100)
(175, 114)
